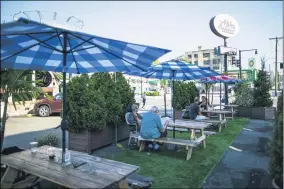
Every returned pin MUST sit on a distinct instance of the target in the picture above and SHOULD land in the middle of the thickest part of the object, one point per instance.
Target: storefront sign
(223, 25)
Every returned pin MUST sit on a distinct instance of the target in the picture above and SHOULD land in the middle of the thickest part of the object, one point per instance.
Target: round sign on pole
(223, 25)
(251, 63)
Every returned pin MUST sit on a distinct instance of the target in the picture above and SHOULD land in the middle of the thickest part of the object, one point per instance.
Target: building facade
(206, 57)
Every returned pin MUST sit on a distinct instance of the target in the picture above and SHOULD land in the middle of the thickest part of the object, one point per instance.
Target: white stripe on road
(235, 148)
(247, 129)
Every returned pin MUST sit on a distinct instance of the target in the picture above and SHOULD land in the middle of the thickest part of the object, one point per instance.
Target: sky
(180, 26)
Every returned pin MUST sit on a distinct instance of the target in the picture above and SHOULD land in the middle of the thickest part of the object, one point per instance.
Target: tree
(16, 83)
(276, 162)
(262, 86)
(184, 93)
(156, 62)
(244, 95)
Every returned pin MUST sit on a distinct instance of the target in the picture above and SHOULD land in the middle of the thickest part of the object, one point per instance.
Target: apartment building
(206, 57)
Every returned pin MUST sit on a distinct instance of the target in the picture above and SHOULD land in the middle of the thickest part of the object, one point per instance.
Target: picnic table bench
(188, 143)
(86, 171)
(207, 133)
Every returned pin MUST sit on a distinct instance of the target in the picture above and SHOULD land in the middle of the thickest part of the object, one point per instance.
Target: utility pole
(276, 72)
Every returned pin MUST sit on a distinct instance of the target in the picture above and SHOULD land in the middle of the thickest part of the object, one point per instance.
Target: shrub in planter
(86, 107)
(244, 98)
(262, 100)
(184, 93)
(49, 139)
(276, 153)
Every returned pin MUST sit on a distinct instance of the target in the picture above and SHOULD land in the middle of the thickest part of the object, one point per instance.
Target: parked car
(44, 107)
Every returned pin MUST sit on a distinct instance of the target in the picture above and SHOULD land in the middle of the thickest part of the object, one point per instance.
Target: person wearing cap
(194, 111)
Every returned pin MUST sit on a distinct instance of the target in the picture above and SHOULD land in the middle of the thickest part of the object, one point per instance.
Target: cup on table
(51, 152)
(33, 146)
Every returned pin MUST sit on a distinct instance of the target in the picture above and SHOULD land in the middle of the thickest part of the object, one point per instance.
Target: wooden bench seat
(188, 143)
(208, 133)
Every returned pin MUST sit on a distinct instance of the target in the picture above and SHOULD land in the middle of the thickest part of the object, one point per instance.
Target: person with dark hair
(144, 99)
(194, 110)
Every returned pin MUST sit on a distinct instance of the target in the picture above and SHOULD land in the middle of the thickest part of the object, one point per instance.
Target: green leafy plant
(152, 93)
(49, 139)
(184, 93)
(107, 86)
(262, 86)
(86, 107)
(276, 153)
(19, 85)
(244, 95)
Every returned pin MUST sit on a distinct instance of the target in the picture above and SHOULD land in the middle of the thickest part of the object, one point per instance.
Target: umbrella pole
(115, 124)
(64, 122)
(220, 94)
(174, 116)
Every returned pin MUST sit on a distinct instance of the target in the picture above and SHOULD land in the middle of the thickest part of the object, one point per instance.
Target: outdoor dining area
(30, 45)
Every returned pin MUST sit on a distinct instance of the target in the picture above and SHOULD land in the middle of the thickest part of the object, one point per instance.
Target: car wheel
(43, 111)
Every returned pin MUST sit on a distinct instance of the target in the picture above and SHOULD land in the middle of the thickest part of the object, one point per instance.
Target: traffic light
(233, 60)
(238, 63)
(281, 65)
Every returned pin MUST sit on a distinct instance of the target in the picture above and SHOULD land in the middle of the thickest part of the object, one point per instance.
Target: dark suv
(44, 107)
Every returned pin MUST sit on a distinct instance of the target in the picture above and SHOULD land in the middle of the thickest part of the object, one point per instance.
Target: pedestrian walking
(143, 99)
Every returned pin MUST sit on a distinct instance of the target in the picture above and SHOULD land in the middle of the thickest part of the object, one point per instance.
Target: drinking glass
(33, 146)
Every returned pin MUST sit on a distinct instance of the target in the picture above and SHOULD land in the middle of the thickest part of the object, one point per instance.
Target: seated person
(134, 118)
(152, 127)
(194, 111)
(203, 105)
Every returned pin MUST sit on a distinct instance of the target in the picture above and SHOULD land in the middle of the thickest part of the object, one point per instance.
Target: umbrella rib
(25, 49)
(45, 44)
(71, 50)
(98, 46)
(58, 34)
(73, 56)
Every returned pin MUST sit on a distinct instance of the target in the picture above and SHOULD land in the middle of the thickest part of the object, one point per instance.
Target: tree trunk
(4, 119)
(212, 94)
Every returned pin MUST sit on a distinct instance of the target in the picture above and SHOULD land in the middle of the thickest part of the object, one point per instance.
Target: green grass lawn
(170, 169)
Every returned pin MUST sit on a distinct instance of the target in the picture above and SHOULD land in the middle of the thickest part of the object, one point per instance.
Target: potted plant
(98, 120)
(86, 116)
(184, 93)
(243, 98)
(276, 152)
(262, 107)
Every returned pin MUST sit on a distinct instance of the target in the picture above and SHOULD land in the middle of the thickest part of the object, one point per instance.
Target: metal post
(240, 65)
(174, 116)
(64, 122)
(141, 87)
(276, 72)
(225, 70)
(115, 123)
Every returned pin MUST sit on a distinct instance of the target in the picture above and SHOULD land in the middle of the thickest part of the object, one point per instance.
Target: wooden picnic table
(221, 113)
(192, 126)
(86, 171)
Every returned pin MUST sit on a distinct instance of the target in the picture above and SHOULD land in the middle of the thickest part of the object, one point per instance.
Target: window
(196, 56)
(196, 62)
(206, 55)
(206, 62)
(189, 56)
(216, 61)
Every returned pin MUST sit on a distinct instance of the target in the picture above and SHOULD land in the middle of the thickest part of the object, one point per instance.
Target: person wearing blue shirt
(152, 127)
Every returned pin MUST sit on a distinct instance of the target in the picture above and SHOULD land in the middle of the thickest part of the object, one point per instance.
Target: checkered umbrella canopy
(218, 79)
(177, 70)
(30, 45)
(27, 44)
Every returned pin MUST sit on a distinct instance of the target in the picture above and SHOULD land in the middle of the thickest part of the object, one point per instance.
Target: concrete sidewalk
(245, 164)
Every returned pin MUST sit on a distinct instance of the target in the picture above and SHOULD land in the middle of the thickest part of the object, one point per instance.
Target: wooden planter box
(178, 114)
(87, 141)
(244, 111)
(263, 113)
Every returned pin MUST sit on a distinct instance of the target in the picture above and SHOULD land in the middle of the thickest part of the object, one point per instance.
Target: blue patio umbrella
(30, 45)
(176, 70)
